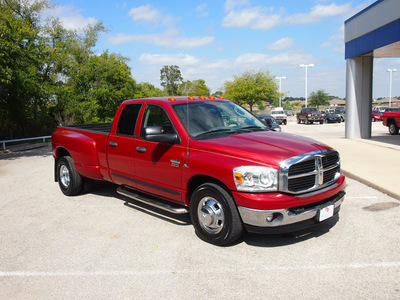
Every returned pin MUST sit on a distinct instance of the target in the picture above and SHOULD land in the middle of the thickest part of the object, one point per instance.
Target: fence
(26, 139)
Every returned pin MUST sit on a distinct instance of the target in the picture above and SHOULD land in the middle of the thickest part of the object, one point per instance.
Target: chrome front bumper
(279, 218)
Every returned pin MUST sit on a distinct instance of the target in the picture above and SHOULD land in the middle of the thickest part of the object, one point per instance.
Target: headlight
(255, 179)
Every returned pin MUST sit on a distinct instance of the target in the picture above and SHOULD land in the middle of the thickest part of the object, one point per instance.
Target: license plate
(326, 212)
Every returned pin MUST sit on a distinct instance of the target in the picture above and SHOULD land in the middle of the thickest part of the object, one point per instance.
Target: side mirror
(156, 134)
(267, 123)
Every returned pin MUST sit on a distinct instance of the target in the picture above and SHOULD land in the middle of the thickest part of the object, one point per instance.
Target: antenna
(188, 127)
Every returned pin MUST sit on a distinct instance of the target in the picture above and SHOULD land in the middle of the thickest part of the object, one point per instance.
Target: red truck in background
(391, 119)
(207, 157)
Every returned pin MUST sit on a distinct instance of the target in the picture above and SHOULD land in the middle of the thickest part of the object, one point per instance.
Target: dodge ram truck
(391, 119)
(208, 157)
(309, 116)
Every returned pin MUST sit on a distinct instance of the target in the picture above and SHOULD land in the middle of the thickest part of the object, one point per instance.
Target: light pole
(390, 85)
(280, 88)
(306, 67)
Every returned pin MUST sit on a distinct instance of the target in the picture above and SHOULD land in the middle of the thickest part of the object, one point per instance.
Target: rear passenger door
(121, 146)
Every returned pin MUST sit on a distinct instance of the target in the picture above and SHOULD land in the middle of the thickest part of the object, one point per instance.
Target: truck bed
(97, 127)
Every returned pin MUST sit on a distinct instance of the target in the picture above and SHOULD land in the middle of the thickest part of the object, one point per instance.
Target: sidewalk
(374, 163)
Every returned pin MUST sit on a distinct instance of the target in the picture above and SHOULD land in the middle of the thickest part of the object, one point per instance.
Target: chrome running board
(152, 202)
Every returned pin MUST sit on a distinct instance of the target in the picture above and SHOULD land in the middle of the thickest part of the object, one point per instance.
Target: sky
(217, 39)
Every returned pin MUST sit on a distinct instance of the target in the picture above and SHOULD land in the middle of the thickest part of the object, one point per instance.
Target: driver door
(159, 165)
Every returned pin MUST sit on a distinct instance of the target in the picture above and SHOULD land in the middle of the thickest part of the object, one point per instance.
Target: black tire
(214, 215)
(284, 122)
(298, 121)
(393, 129)
(69, 180)
(321, 122)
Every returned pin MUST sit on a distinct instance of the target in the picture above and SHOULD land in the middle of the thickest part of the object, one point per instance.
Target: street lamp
(390, 85)
(306, 67)
(280, 88)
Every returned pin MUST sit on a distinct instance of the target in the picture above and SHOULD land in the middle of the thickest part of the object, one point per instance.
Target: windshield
(277, 112)
(312, 109)
(216, 118)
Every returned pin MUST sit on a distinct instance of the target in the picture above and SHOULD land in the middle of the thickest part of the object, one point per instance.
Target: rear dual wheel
(68, 178)
(214, 215)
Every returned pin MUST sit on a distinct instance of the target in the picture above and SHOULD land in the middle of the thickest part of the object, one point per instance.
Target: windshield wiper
(251, 128)
(214, 131)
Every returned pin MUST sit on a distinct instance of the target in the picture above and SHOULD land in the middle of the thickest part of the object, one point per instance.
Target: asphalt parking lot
(101, 246)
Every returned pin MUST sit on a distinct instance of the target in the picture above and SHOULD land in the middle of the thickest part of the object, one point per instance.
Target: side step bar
(152, 202)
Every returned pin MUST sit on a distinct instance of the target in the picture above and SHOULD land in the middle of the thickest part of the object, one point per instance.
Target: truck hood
(264, 147)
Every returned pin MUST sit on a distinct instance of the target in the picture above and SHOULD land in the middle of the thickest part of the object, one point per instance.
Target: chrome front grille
(309, 172)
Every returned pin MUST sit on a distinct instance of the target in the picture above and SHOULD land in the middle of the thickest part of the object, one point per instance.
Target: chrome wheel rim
(64, 176)
(391, 128)
(211, 215)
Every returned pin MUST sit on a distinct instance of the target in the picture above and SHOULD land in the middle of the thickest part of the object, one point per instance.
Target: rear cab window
(128, 119)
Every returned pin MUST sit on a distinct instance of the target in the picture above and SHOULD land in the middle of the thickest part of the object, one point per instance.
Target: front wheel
(393, 129)
(214, 215)
(68, 178)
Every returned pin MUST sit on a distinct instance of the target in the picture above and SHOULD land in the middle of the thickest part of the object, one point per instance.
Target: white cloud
(319, 12)
(170, 39)
(202, 11)
(145, 13)
(261, 18)
(288, 58)
(232, 4)
(216, 71)
(281, 44)
(71, 18)
(168, 59)
(264, 18)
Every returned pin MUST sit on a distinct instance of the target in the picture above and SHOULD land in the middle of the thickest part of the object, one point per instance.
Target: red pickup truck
(207, 157)
(391, 119)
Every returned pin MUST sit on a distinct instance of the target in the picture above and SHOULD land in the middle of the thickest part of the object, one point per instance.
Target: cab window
(155, 115)
(128, 118)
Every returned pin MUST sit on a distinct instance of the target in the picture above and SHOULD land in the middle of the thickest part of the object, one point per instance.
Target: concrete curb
(371, 184)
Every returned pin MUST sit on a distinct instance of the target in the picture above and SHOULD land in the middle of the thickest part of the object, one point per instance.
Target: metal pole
(306, 67)
(280, 88)
(390, 85)
(306, 95)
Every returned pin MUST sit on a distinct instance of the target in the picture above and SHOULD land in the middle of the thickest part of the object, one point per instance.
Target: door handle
(141, 149)
(113, 144)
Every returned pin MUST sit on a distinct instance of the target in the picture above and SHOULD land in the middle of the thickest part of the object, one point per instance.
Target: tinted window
(128, 118)
(156, 116)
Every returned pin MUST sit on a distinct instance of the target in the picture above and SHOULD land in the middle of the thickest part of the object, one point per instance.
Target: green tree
(170, 79)
(319, 98)
(145, 89)
(217, 94)
(20, 68)
(194, 88)
(251, 88)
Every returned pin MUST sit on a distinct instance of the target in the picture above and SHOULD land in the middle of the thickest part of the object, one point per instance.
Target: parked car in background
(279, 115)
(377, 115)
(329, 110)
(332, 118)
(289, 112)
(270, 122)
(341, 111)
(380, 108)
(309, 116)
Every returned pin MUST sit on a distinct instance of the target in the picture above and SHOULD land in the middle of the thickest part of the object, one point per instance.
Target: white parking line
(395, 264)
(362, 197)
